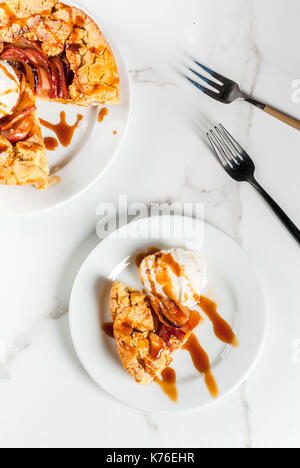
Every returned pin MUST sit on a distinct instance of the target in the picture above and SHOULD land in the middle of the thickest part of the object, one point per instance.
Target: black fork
(241, 168)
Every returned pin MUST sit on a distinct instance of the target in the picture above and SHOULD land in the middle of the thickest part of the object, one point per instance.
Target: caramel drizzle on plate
(50, 143)
(168, 383)
(63, 131)
(202, 364)
(222, 329)
(102, 114)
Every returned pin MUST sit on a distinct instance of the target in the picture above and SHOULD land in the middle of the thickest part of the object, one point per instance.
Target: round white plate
(233, 284)
(93, 148)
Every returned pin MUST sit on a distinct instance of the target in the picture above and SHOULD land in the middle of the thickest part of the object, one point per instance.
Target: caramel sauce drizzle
(221, 328)
(14, 19)
(168, 383)
(151, 282)
(51, 143)
(9, 13)
(141, 256)
(102, 114)
(139, 260)
(156, 348)
(8, 74)
(8, 91)
(108, 329)
(162, 262)
(63, 131)
(172, 264)
(201, 363)
(163, 279)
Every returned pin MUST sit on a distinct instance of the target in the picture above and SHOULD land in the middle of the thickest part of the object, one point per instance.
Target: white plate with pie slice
(93, 149)
(233, 284)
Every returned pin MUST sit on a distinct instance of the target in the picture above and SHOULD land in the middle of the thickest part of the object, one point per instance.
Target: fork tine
(223, 148)
(207, 80)
(233, 142)
(220, 158)
(202, 88)
(234, 155)
(219, 149)
(216, 75)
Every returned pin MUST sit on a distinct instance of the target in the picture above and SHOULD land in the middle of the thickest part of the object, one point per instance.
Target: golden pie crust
(26, 162)
(143, 352)
(60, 30)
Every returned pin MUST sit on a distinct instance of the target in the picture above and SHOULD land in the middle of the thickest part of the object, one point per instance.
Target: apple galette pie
(52, 51)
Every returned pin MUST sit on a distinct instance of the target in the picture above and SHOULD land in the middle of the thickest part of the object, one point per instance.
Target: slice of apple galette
(148, 331)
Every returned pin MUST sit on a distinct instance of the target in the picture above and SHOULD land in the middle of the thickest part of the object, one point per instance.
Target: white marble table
(47, 400)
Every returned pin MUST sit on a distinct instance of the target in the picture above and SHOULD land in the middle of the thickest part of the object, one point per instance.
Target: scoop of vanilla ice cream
(176, 274)
(9, 88)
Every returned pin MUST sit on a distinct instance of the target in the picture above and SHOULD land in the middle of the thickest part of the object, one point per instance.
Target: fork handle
(285, 118)
(291, 227)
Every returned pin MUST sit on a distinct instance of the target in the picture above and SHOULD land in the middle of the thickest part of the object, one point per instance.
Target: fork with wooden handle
(227, 91)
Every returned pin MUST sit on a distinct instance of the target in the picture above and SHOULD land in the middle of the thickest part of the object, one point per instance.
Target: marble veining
(10, 354)
(58, 312)
(247, 415)
(146, 76)
(151, 422)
